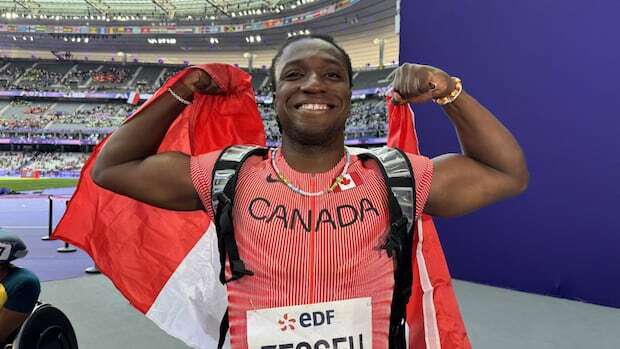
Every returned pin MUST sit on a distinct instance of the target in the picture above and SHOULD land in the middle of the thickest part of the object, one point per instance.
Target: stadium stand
(54, 101)
(53, 164)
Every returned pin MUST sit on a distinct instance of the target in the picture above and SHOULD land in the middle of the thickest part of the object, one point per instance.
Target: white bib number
(333, 325)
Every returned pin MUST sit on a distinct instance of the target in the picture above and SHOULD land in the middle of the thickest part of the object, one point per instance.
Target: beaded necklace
(305, 193)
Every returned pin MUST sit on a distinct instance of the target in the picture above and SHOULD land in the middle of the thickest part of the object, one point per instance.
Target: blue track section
(28, 217)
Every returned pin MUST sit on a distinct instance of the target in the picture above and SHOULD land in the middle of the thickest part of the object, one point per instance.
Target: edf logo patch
(307, 319)
(345, 324)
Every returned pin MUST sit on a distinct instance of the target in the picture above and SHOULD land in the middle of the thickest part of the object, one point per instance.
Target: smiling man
(310, 217)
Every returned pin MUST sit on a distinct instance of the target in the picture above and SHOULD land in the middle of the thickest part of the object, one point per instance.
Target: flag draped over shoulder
(433, 314)
(162, 260)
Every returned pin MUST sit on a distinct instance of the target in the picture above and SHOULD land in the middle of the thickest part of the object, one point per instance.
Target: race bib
(333, 325)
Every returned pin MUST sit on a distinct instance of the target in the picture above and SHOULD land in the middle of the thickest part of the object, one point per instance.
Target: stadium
(73, 72)
(64, 91)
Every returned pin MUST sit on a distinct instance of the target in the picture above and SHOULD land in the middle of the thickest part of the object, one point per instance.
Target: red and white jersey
(309, 250)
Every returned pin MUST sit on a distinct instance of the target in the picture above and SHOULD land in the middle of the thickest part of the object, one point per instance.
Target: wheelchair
(45, 328)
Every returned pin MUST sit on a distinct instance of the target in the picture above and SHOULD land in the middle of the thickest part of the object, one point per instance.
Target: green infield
(27, 184)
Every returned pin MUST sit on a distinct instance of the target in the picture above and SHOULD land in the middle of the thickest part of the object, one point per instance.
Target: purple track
(28, 217)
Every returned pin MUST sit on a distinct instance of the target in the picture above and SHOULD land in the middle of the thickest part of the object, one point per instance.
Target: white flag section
(193, 301)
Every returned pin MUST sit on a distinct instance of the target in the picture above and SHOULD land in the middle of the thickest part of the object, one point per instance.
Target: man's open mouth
(313, 106)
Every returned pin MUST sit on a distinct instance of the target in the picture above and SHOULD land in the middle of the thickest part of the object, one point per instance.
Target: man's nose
(313, 84)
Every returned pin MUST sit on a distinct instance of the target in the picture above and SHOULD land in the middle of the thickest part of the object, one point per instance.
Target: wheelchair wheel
(46, 328)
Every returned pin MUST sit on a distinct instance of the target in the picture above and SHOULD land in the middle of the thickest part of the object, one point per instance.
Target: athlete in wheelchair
(26, 323)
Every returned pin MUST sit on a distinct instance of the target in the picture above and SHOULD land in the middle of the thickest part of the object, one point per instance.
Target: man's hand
(196, 81)
(415, 83)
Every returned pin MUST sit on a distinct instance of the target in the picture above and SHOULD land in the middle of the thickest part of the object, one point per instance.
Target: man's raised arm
(128, 163)
(491, 166)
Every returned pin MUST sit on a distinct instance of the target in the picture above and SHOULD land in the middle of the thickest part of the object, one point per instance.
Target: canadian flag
(134, 97)
(166, 263)
(349, 181)
(433, 315)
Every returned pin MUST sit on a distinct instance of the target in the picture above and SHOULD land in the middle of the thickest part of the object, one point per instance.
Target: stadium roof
(145, 9)
(363, 19)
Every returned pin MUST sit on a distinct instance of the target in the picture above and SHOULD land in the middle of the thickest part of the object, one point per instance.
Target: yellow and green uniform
(19, 290)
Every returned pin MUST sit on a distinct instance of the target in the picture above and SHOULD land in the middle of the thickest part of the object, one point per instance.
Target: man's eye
(333, 75)
(292, 75)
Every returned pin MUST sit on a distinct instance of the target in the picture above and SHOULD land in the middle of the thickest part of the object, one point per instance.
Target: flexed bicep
(461, 185)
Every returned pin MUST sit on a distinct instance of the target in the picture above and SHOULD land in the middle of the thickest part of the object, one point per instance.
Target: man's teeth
(314, 107)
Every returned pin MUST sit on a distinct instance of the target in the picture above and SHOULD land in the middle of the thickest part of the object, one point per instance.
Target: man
(306, 243)
(19, 287)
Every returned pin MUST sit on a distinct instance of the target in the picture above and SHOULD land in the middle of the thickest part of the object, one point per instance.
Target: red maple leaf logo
(286, 323)
(345, 181)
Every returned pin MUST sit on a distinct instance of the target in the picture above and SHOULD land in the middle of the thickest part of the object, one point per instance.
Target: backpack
(398, 176)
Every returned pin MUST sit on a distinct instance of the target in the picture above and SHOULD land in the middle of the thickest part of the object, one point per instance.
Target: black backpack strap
(222, 199)
(224, 325)
(398, 175)
(224, 181)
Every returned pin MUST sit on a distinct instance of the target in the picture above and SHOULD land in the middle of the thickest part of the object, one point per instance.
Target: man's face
(313, 94)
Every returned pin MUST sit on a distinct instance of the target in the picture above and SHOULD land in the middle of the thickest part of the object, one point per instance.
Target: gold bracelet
(453, 95)
(179, 98)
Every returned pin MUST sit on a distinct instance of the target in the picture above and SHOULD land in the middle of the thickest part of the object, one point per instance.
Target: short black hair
(326, 38)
